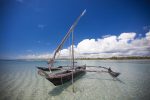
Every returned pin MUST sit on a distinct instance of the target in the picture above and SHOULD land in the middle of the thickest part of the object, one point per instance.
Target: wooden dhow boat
(68, 74)
(74, 71)
(65, 76)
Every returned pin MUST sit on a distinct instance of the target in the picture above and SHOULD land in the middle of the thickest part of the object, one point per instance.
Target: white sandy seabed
(23, 83)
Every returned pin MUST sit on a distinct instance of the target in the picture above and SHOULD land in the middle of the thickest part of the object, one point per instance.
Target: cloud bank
(35, 56)
(126, 44)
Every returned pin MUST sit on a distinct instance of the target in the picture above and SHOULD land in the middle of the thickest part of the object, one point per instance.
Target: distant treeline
(111, 58)
(115, 58)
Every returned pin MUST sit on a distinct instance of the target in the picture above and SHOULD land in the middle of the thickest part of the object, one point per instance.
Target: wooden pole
(73, 69)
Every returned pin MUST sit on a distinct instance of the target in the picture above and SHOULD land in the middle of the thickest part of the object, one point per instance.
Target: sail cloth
(51, 61)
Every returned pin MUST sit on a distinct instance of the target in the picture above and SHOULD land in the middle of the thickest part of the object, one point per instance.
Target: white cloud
(20, 1)
(127, 36)
(105, 36)
(148, 35)
(41, 26)
(35, 56)
(126, 44)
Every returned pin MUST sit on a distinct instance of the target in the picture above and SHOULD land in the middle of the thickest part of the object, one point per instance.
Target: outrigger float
(74, 71)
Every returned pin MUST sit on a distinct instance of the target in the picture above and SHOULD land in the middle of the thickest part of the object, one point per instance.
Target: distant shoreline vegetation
(110, 58)
(116, 58)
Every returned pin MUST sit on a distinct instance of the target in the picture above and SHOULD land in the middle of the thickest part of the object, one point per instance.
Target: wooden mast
(72, 49)
(73, 69)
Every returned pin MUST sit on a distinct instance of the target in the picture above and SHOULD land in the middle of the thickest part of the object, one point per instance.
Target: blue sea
(19, 80)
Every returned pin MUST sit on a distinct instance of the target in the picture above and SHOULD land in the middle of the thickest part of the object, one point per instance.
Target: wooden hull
(66, 76)
(47, 69)
(114, 74)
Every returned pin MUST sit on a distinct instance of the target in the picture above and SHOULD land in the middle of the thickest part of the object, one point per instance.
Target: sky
(34, 28)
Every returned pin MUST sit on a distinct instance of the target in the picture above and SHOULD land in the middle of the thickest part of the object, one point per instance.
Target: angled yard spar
(51, 61)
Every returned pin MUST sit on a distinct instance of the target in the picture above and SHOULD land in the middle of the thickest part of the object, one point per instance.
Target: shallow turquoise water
(19, 81)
